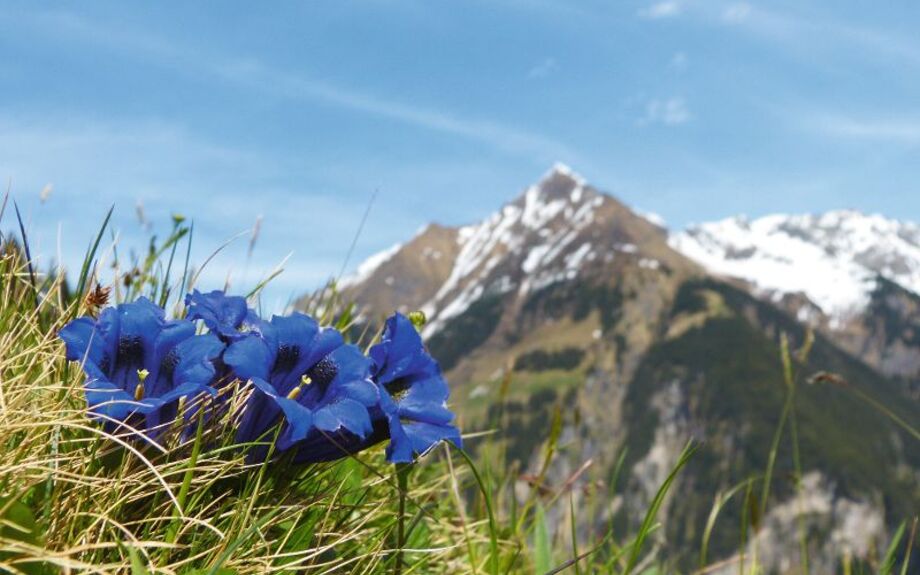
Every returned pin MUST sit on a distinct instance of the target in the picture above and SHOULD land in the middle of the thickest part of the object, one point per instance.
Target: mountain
(834, 259)
(855, 277)
(565, 302)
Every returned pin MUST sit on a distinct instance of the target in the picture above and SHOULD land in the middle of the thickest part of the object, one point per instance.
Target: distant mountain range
(644, 340)
(834, 259)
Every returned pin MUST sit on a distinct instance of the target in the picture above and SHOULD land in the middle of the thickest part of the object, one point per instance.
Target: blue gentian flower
(413, 393)
(227, 316)
(138, 363)
(306, 376)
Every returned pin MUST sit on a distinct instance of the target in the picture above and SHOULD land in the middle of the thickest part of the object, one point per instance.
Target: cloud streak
(903, 131)
(258, 76)
(544, 68)
(663, 9)
(800, 33)
(119, 162)
(669, 112)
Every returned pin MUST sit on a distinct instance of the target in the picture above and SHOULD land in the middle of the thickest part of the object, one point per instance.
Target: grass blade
(910, 547)
(542, 552)
(487, 497)
(25, 247)
(649, 520)
(891, 554)
(91, 255)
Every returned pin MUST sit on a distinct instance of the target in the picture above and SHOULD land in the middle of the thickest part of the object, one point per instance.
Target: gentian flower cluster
(315, 396)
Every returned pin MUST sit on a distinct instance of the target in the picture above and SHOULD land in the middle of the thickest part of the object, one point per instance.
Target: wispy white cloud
(900, 130)
(669, 112)
(800, 33)
(259, 76)
(501, 137)
(663, 9)
(118, 162)
(736, 12)
(887, 44)
(543, 68)
(168, 165)
(679, 61)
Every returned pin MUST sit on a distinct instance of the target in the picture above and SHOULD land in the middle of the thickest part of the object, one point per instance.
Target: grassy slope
(84, 499)
(729, 366)
(75, 498)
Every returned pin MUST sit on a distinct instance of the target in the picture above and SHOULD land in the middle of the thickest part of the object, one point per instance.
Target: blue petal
(172, 334)
(86, 341)
(79, 340)
(424, 400)
(352, 377)
(260, 413)
(413, 438)
(425, 436)
(106, 399)
(301, 344)
(427, 413)
(343, 414)
(161, 410)
(332, 446)
(428, 386)
(298, 418)
(400, 352)
(399, 450)
(161, 366)
(250, 357)
(223, 314)
(196, 357)
(139, 324)
(299, 422)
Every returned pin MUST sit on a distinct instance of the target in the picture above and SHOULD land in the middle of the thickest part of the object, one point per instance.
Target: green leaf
(891, 555)
(542, 547)
(91, 255)
(218, 568)
(137, 564)
(648, 523)
(18, 524)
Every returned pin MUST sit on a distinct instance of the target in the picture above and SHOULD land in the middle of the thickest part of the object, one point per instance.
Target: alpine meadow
(485, 288)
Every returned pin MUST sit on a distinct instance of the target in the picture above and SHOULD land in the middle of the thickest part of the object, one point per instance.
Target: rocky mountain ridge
(834, 258)
(590, 311)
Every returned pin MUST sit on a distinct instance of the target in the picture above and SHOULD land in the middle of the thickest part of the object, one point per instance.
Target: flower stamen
(304, 382)
(139, 390)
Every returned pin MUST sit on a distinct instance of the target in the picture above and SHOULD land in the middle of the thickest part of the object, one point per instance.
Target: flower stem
(187, 479)
(402, 480)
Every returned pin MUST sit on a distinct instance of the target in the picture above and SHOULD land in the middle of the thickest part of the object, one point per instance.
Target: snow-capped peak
(559, 169)
(369, 266)
(529, 243)
(652, 218)
(833, 258)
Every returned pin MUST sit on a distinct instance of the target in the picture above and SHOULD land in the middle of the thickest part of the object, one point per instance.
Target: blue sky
(228, 111)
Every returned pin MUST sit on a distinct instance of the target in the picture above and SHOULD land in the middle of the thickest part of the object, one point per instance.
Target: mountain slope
(855, 277)
(566, 301)
(555, 230)
(833, 258)
(722, 382)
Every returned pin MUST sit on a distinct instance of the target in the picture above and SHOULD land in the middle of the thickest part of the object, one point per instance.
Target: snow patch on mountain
(562, 169)
(369, 266)
(535, 231)
(832, 258)
(652, 218)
